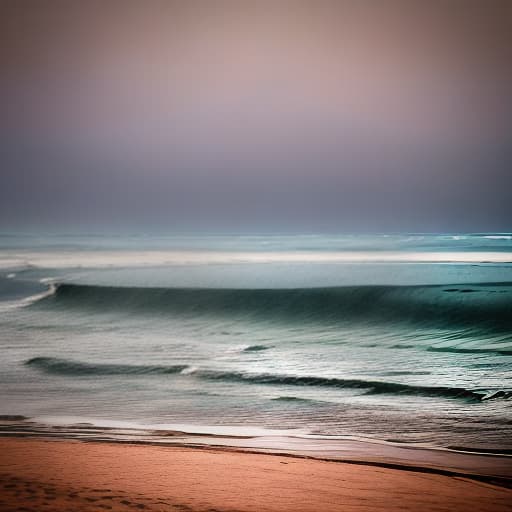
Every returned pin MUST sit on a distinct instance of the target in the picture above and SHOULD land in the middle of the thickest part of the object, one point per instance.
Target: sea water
(402, 338)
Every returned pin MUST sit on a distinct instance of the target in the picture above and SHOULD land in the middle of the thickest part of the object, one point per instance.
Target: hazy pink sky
(321, 115)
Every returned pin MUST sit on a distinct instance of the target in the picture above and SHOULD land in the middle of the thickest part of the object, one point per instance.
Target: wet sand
(50, 475)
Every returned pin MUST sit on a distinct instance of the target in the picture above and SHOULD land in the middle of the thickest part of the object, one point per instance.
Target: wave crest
(488, 306)
(59, 366)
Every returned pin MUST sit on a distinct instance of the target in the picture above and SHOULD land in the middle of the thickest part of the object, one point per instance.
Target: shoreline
(58, 474)
(483, 467)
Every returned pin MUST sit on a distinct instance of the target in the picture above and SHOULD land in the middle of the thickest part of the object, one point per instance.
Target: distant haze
(256, 116)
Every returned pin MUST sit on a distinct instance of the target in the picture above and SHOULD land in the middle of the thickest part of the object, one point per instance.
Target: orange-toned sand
(39, 475)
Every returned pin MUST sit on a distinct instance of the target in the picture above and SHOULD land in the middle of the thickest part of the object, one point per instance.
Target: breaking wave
(488, 305)
(59, 366)
(66, 367)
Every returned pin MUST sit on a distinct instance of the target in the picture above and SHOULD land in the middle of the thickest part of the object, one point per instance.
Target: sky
(319, 116)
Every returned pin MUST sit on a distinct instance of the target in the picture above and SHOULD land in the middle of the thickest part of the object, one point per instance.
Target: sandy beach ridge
(60, 475)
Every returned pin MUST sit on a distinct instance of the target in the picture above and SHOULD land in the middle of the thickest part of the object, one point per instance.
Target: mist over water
(390, 337)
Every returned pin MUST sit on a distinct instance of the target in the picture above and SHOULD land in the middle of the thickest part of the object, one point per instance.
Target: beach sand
(59, 475)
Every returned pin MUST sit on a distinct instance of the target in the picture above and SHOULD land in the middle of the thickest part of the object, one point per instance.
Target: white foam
(12, 262)
(47, 280)
(34, 298)
(120, 259)
(189, 370)
(224, 430)
(26, 301)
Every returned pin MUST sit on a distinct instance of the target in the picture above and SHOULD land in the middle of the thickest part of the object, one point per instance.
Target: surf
(65, 367)
(487, 306)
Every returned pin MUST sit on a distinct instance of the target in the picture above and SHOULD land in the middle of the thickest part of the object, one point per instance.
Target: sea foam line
(106, 259)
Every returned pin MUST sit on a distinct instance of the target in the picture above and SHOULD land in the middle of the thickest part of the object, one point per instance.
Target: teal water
(404, 338)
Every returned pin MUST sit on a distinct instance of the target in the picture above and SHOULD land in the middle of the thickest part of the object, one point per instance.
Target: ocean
(403, 339)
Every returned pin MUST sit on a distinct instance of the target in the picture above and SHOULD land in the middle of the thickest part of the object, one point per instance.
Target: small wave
(59, 366)
(256, 348)
(501, 394)
(457, 350)
(399, 373)
(242, 349)
(297, 399)
(370, 387)
(460, 290)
